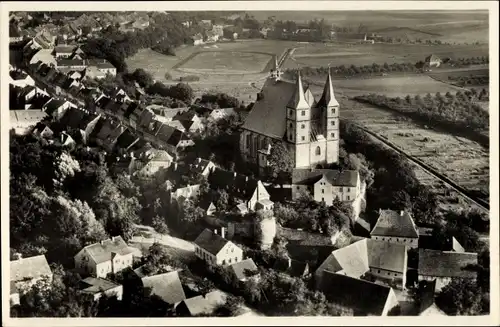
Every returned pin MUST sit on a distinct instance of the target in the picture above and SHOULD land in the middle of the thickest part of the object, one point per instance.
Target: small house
(96, 287)
(216, 249)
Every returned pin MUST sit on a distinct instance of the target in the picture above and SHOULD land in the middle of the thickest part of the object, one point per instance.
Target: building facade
(289, 112)
(216, 249)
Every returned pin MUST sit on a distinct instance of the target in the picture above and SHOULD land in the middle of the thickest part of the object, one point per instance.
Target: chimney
(132, 154)
(223, 232)
(113, 238)
(402, 213)
(215, 231)
(199, 160)
(246, 178)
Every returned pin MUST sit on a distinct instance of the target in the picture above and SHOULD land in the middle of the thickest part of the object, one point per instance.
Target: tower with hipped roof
(289, 112)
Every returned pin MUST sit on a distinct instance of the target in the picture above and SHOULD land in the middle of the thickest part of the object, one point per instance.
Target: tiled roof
(268, 115)
(240, 268)
(446, 264)
(385, 255)
(53, 105)
(94, 285)
(102, 251)
(391, 223)
(167, 286)
(70, 62)
(328, 97)
(199, 165)
(29, 268)
(335, 177)
(30, 115)
(363, 297)
(204, 304)
(64, 49)
(211, 242)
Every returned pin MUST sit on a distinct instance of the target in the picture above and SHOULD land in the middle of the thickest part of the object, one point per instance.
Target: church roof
(328, 97)
(298, 99)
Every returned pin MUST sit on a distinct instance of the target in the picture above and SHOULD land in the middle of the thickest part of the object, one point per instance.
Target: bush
(189, 78)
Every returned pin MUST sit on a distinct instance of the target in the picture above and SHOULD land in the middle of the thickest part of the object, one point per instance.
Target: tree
(190, 212)
(160, 225)
(143, 78)
(280, 162)
(230, 308)
(460, 297)
(222, 200)
(183, 92)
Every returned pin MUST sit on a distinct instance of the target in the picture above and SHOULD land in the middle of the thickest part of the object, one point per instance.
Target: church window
(291, 113)
(303, 113)
(333, 123)
(333, 110)
(291, 125)
(302, 126)
(332, 135)
(323, 191)
(303, 138)
(318, 149)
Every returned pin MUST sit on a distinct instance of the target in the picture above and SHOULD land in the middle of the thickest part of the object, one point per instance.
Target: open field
(389, 86)
(322, 54)
(464, 161)
(226, 62)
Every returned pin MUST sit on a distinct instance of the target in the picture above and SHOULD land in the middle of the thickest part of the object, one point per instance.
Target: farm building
(433, 61)
(396, 228)
(288, 111)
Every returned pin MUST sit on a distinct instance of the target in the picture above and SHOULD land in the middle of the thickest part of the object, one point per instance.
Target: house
(108, 256)
(200, 305)
(167, 286)
(22, 121)
(207, 206)
(99, 286)
(395, 228)
(356, 296)
(14, 34)
(119, 95)
(151, 162)
(56, 108)
(82, 120)
(66, 140)
(73, 64)
(244, 269)
(43, 131)
(289, 112)
(251, 191)
(187, 121)
(20, 78)
(212, 37)
(26, 272)
(216, 249)
(444, 266)
(64, 51)
(99, 68)
(217, 114)
(202, 167)
(292, 267)
(328, 185)
(433, 61)
(197, 39)
(183, 193)
(368, 259)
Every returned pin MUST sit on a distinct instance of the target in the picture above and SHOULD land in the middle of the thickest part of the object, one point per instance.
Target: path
(164, 239)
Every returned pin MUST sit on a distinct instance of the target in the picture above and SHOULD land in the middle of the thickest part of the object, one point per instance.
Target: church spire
(328, 97)
(298, 100)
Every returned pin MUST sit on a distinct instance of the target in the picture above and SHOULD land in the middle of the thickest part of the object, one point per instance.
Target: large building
(289, 112)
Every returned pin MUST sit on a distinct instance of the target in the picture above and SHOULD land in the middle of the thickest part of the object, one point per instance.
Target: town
(146, 193)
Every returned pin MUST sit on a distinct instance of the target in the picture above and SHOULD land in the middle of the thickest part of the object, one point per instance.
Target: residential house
(66, 140)
(368, 259)
(73, 64)
(100, 286)
(99, 68)
(358, 297)
(108, 256)
(244, 270)
(202, 167)
(444, 266)
(56, 108)
(207, 206)
(126, 140)
(81, 119)
(167, 286)
(327, 185)
(197, 39)
(22, 121)
(395, 228)
(200, 305)
(42, 56)
(183, 193)
(221, 113)
(251, 191)
(26, 272)
(216, 249)
(64, 51)
(43, 131)
(20, 78)
(151, 162)
(119, 95)
(187, 121)
(433, 61)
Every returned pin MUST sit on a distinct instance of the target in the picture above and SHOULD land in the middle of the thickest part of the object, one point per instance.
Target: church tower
(276, 71)
(298, 125)
(330, 121)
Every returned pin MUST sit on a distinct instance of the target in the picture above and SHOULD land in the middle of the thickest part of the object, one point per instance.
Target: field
(226, 62)
(464, 161)
(320, 54)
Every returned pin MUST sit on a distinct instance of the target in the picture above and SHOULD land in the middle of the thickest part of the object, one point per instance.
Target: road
(430, 170)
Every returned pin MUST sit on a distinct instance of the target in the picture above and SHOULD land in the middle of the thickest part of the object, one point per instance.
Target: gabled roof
(29, 268)
(167, 286)
(387, 256)
(53, 105)
(446, 263)
(199, 165)
(211, 242)
(293, 267)
(390, 223)
(30, 115)
(240, 268)
(103, 251)
(64, 49)
(94, 285)
(363, 297)
(204, 304)
(335, 177)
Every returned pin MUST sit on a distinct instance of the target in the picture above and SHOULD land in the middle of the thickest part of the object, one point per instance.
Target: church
(289, 112)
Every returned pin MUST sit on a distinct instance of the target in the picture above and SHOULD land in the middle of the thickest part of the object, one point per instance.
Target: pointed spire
(328, 97)
(298, 99)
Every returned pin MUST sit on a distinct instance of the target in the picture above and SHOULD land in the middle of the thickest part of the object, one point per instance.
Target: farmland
(322, 54)
(226, 62)
(464, 161)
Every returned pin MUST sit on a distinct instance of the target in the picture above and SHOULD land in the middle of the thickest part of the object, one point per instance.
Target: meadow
(226, 62)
